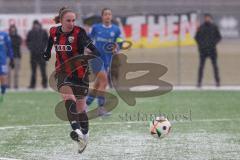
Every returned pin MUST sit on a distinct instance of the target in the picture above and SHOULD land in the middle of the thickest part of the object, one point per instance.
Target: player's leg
(33, 74)
(114, 71)
(80, 93)
(16, 72)
(9, 79)
(42, 65)
(215, 68)
(84, 124)
(91, 96)
(83, 118)
(66, 88)
(71, 107)
(96, 66)
(102, 80)
(200, 69)
(103, 83)
(100, 84)
(3, 79)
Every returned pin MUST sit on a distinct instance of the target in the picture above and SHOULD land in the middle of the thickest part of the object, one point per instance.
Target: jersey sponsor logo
(70, 39)
(63, 47)
(100, 39)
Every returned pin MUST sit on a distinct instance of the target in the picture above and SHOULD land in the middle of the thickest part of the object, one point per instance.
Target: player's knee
(103, 79)
(104, 84)
(81, 105)
(96, 84)
(68, 97)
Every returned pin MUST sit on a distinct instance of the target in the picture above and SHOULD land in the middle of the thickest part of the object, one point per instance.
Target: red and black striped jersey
(67, 46)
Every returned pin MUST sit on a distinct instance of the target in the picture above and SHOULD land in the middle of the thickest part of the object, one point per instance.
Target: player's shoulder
(97, 25)
(115, 27)
(78, 29)
(53, 29)
(4, 35)
(1, 33)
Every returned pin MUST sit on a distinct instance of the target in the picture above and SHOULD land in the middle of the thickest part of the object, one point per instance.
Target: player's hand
(115, 48)
(11, 63)
(46, 56)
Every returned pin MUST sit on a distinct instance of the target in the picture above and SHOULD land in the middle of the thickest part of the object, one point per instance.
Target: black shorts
(79, 86)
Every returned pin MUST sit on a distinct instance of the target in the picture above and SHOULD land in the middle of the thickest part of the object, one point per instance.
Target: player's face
(208, 19)
(107, 17)
(13, 30)
(68, 21)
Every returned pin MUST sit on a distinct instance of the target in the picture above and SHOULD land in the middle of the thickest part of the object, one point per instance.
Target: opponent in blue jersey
(105, 36)
(5, 51)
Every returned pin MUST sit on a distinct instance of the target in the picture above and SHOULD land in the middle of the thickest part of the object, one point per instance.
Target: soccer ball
(160, 127)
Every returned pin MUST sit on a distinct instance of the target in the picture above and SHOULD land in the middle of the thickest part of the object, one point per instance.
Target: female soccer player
(69, 41)
(105, 35)
(5, 52)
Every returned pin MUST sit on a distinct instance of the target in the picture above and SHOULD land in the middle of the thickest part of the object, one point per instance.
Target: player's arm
(47, 54)
(92, 32)
(118, 42)
(197, 36)
(9, 46)
(87, 42)
(218, 35)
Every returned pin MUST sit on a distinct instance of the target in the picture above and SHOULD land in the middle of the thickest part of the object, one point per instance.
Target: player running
(5, 51)
(69, 41)
(105, 36)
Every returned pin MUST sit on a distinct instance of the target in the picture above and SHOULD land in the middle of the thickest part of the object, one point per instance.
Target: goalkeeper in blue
(5, 52)
(105, 36)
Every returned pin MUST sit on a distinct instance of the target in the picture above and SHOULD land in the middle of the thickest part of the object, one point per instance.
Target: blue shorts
(96, 65)
(3, 69)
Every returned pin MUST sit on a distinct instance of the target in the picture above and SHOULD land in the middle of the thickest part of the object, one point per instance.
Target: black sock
(3, 89)
(72, 114)
(83, 118)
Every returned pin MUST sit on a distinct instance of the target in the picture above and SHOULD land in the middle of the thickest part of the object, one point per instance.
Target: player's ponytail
(57, 19)
(61, 13)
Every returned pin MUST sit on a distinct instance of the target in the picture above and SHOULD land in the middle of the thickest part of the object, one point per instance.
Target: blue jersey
(5, 48)
(104, 38)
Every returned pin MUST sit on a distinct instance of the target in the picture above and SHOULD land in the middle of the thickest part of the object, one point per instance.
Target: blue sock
(101, 101)
(3, 89)
(90, 99)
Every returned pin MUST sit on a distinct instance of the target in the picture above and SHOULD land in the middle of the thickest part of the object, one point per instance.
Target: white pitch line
(194, 88)
(114, 123)
(2, 158)
(146, 88)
